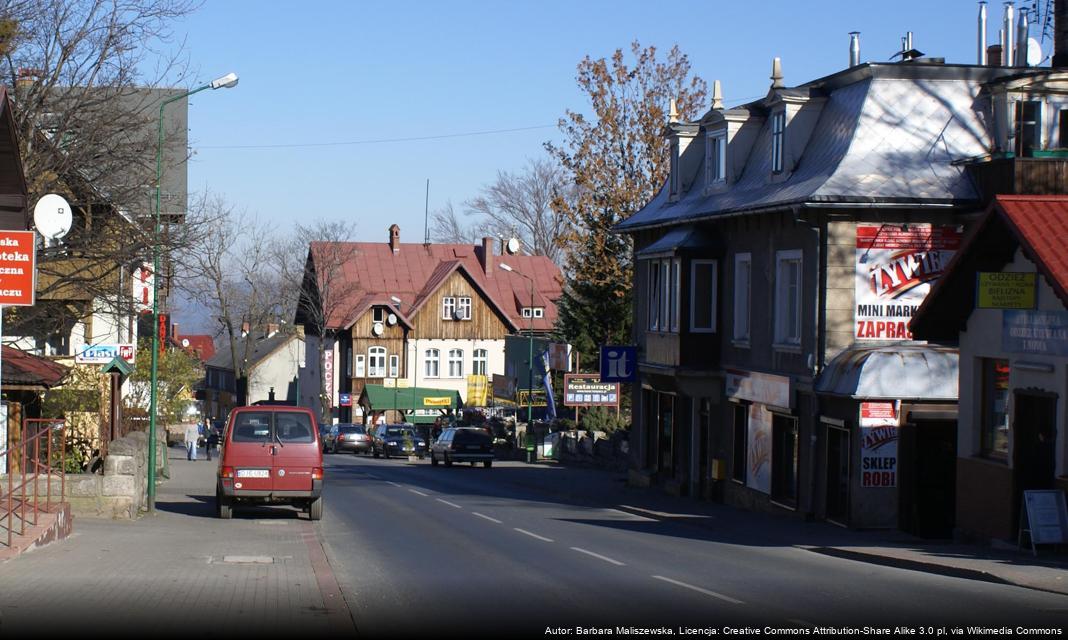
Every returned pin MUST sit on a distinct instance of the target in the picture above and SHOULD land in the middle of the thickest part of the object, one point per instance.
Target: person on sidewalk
(192, 433)
(212, 441)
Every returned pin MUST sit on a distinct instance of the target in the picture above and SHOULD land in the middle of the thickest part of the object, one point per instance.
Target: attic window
(778, 135)
(715, 158)
(379, 314)
(533, 312)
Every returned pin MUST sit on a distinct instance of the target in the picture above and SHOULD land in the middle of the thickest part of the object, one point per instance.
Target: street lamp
(530, 364)
(225, 82)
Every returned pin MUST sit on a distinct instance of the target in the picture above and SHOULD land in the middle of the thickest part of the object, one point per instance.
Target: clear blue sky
(328, 72)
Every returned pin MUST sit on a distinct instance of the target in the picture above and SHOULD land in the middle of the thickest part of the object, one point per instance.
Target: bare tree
(328, 295)
(520, 205)
(447, 226)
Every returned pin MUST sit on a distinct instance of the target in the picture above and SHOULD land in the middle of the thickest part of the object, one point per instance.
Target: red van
(271, 454)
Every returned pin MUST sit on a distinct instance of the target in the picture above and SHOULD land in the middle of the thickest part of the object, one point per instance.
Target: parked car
(272, 454)
(397, 440)
(463, 444)
(351, 437)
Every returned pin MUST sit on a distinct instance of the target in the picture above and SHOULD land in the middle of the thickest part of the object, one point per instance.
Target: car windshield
(470, 436)
(351, 430)
(399, 431)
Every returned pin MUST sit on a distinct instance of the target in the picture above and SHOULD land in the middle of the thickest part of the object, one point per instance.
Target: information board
(1005, 290)
(1046, 517)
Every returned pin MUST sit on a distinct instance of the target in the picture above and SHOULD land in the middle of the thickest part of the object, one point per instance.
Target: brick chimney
(272, 329)
(993, 55)
(487, 256)
(394, 238)
(174, 330)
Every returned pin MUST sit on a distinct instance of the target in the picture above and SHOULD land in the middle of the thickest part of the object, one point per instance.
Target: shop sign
(587, 390)
(531, 397)
(619, 363)
(105, 353)
(477, 390)
(1037, 332)
(759, 449)
(504, 387)
(18, 259)
(1004, 290)
(560, 357)
(878, 444)
(895, 269)
(759, 387)
(437, 401)
(344, 400)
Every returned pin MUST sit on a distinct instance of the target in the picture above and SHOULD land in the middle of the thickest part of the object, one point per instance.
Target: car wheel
(487, 463)
(223, 507)
(448, 460)
(433, 460)
(315, 509)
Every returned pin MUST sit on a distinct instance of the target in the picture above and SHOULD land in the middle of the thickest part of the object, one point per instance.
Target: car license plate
(473, 446)
(253, 473)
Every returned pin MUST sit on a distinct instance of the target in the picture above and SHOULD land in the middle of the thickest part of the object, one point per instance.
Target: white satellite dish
(457, 315)
(185, 342)
(391, 319)
(377, 328)
(513, 246)
(52, 216)
(1034, 52)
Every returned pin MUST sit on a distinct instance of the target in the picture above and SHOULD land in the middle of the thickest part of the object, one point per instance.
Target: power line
(375, 141)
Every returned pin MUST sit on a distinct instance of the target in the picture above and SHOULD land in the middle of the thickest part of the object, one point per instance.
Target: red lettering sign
(18, 259)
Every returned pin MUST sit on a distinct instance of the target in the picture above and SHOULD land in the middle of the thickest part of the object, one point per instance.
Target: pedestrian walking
(212, 441)
(192, 433)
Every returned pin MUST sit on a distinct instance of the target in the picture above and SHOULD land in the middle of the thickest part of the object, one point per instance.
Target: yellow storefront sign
(443, 401)
(1003, 290)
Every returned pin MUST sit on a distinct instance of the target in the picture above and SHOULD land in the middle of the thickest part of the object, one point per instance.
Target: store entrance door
(1034, 432)
(928, 478)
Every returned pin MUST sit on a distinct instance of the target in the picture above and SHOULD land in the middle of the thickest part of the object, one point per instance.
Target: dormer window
(674, 169)
(715, 157)
(379, 314)
(533, 312)
(778, 138)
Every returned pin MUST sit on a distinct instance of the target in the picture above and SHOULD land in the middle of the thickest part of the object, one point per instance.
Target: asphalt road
(466, 551)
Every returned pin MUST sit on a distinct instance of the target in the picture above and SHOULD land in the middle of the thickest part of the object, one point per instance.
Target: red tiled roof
(21, 368)
(411, 273)
(202, 345)
(1041, 223)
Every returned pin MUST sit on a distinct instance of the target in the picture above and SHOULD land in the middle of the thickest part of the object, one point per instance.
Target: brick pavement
(179, 572)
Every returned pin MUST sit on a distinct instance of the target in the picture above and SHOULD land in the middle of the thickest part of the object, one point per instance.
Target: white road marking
(700, 590)
(663, 514)
(419, 493)
(598, 556)
(394, 483)
(533, 535)
(451, 504)
(475, 513)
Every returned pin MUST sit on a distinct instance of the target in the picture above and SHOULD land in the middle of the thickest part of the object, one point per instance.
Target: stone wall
(122, 490)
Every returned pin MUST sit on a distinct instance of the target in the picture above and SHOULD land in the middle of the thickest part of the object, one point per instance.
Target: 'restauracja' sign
(895, 268)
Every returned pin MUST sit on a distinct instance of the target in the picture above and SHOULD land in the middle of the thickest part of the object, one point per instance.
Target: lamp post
(530, 364)
(225, 82)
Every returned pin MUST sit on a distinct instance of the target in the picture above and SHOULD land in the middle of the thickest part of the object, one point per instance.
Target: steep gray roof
(886, 134)
(260, 348)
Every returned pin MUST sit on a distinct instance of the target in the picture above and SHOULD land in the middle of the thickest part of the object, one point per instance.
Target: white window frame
(539, 312)
(394, 366)
(376, 362)
(713, 295)
(778, 141)
(715, 158)
(653, 308)
(358, 370)
(743, 288)
(448, 305)
(782, 293)
(432, 363)
(456, 363)
(378, 314)
(528, 312)
(463, 305)
(480, 362)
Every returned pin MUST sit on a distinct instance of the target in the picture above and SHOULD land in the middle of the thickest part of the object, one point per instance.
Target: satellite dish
(391, 319)
(185, 342)
(1034, 52)
(52, 216)
(513, 246)
(377, 328)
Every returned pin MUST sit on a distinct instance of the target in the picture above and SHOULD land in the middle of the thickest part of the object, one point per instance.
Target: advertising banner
(18, 256)
(1037, 332)
(759, 449)
(105, 353)
(878, 444)
(1003, 290)
(587, 390)
(895, 268)
(758, 387)
(477, 391)
(503, 387)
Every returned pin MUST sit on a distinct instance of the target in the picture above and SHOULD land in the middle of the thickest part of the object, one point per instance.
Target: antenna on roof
(426, 215)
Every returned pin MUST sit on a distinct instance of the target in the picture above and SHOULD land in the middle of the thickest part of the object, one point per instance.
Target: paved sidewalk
(179, 572)
(582, 484)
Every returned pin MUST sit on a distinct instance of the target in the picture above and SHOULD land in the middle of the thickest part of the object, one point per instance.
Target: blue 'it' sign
(619, 363)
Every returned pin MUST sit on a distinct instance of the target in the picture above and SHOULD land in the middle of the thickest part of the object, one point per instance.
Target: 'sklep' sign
(878, 444)
(18, 268)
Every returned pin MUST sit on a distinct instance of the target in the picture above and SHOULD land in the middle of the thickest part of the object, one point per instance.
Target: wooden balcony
(1044, 174)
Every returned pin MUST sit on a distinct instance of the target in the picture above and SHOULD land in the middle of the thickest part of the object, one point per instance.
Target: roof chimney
(394, 238)
(854, 48)
(981, 35)
(993, 55)
(487, 256)
(272, 329)
(244, 329)
(1021, 40)
(1008, 46)
(1060, 33)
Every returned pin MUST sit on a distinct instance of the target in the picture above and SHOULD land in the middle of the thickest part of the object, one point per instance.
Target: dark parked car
(350, 437)
(399, 440)
(327, 434)
(463, 444)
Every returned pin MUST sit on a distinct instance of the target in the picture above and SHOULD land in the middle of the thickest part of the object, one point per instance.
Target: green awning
(376, 397)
